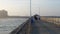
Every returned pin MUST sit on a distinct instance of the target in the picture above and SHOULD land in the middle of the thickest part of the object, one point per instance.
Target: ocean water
(9, 24)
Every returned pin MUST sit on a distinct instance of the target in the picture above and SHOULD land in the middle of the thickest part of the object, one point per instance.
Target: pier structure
(38, 27)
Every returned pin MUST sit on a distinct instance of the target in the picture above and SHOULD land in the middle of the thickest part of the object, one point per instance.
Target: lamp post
(39, 11)
(30, 9)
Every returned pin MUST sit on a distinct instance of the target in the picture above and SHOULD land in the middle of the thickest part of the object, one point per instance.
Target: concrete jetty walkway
(38, 27)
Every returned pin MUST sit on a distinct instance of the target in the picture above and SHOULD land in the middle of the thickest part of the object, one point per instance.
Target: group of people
(35, 17)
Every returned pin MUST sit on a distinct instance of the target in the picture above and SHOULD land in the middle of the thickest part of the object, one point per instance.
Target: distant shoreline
(15, 17)
(29, 17)
(51, 16)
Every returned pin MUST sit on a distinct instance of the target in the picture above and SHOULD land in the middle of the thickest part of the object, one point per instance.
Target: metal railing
(23, 28)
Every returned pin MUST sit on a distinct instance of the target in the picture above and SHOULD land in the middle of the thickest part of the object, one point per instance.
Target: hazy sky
(22, 7)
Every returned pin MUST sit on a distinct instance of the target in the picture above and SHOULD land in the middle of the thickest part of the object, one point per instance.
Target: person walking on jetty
(32, 19)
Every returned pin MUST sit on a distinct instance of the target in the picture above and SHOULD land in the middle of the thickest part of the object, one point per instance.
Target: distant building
(3, 13)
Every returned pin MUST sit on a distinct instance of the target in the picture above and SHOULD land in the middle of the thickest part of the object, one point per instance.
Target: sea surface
(9, 24)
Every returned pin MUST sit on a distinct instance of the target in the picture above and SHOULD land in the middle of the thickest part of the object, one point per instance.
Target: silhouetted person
(32, 19)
